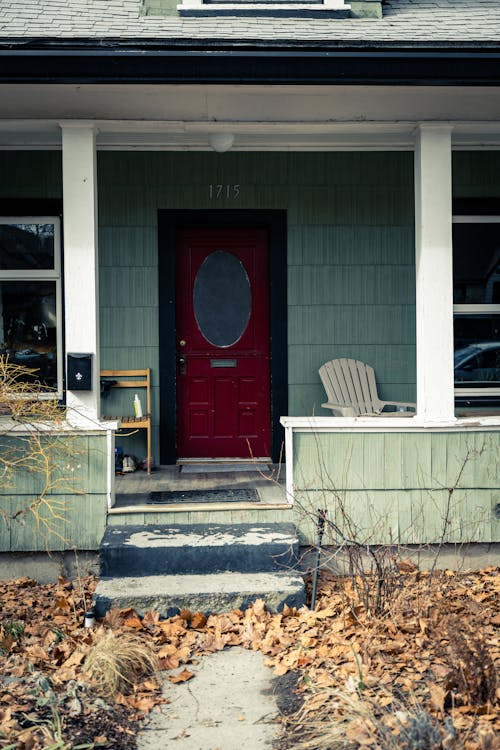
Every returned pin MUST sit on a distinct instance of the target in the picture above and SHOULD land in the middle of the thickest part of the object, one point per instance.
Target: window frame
(242, 7)
(47, 274)
(476, 309)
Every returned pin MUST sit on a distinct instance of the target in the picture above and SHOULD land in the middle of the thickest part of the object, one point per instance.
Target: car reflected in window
(478, 363)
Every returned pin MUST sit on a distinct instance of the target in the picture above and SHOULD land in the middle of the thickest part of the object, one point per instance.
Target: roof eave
(132, 61)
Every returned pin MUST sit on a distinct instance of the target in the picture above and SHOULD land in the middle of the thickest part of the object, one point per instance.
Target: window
(30, 296)
(476, 298)
(222, 299)
(271, 7)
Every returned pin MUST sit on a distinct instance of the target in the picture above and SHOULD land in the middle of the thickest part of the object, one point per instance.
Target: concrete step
(197, 548)
(204, 593)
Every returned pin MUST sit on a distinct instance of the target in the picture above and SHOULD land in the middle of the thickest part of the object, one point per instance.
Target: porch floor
(132, 490)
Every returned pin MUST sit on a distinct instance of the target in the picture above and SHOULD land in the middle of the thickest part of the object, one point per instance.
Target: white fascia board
(476, 107)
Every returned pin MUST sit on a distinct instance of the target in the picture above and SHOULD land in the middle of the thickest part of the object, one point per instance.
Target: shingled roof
(404, 22)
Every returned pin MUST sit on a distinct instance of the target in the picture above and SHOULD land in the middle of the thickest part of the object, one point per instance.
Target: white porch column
(434, 272)
(81, 261)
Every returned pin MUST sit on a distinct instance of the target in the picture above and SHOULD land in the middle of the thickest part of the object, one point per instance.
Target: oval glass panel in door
(222, 299)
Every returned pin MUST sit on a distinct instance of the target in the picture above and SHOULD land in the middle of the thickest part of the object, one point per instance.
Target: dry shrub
(376, 579)
(35, 446)
(473, 676)
(348, 720)
(117, 662)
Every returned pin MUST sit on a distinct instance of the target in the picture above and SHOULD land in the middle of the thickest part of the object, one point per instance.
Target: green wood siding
(394, 487)
(350, 258)
(30, 174)
(79, 497)
(476, 174)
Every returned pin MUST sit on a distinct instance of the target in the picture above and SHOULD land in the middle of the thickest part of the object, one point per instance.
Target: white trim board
(387, 424)
(278, 135)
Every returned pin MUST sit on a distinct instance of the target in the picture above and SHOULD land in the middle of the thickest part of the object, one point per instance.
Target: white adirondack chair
(351, 390)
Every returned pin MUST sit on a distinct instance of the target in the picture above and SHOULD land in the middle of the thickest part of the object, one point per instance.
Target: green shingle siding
(350, 249)
(476, 174)
(30, 174)
(79, 497)
(395, 487)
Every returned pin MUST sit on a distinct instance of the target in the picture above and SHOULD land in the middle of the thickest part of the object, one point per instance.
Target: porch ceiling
(261, 117)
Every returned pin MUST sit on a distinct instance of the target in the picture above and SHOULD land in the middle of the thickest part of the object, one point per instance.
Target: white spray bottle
(137, 407)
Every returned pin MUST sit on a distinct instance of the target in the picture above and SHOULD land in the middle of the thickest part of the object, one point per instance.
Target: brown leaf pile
(438, 648)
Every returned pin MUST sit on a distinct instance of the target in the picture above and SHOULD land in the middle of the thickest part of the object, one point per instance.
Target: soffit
(193, 108)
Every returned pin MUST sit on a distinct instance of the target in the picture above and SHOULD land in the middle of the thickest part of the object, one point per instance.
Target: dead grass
(346, 719)
(421, 676)
(118, 661)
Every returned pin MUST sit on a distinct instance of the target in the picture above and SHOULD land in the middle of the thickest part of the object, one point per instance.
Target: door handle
(182, 365)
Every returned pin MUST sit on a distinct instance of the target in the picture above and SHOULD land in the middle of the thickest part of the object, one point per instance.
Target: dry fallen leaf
(340, 643)
(438, 696)
(134, 622)
(183, 676)
(198, 620)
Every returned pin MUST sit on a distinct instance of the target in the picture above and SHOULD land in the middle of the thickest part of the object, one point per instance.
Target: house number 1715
(218, 192)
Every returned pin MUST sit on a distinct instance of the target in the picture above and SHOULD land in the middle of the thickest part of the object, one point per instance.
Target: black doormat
(204, 496)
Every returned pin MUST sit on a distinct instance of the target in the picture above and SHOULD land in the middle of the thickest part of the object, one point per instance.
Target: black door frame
(170, 221)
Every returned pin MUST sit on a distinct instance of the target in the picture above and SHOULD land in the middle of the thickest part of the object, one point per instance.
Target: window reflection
(478, 364)
(476, 297)
(26, 247)
(28, 327)
(476, 264)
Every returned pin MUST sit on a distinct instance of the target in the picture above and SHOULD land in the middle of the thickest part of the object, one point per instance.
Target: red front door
(222, 344)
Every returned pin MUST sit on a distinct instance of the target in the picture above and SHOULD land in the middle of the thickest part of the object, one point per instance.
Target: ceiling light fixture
(221, 142)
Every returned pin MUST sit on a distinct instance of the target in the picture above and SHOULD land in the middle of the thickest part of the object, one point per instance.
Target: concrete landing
(199, 593)
(195, 548)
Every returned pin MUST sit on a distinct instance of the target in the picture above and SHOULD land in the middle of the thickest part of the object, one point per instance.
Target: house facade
(233, 194)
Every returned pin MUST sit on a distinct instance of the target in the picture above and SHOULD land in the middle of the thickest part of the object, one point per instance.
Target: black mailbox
(79, 372)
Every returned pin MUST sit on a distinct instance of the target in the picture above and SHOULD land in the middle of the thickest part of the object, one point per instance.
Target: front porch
(359, 219)
(134, 502)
